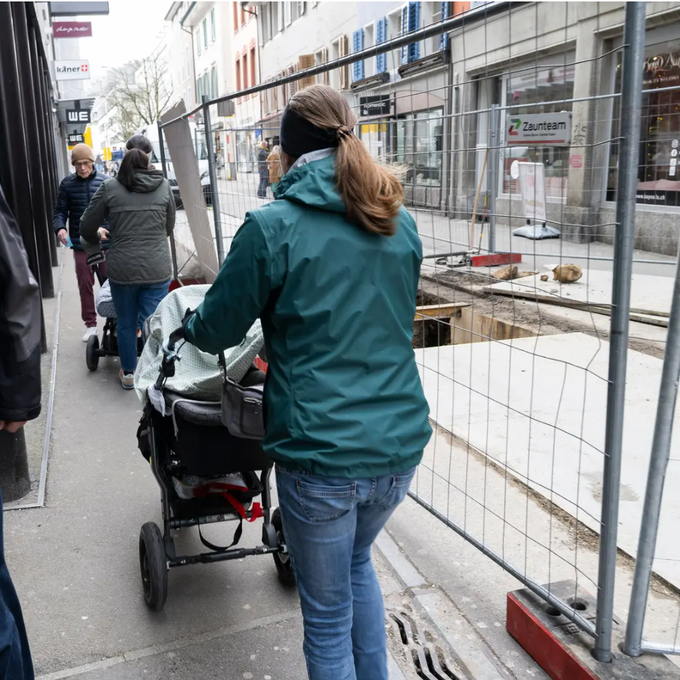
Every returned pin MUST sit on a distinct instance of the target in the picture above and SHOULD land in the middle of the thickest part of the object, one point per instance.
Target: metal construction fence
(543, 377)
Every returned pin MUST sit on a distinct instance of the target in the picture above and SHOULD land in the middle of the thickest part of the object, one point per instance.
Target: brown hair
(372, 193)
(137, 155)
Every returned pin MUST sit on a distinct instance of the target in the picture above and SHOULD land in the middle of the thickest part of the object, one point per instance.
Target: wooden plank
(439, 311)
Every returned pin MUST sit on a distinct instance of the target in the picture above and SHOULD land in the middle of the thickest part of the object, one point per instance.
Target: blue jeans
(134, 304)
(330, 524)
(15, 654)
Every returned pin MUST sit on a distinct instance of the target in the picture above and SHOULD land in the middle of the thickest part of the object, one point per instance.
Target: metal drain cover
(421, 648)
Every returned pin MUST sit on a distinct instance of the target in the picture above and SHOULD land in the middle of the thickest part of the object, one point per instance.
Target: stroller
(206, 475)
(108, 347)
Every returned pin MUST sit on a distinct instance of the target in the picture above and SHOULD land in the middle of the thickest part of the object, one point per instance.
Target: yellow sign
(88, 136)
(106, 153)
(373, 127)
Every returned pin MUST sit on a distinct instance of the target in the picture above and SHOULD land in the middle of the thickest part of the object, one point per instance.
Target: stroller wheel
(153, 564)
(92, 353)
(282, 560)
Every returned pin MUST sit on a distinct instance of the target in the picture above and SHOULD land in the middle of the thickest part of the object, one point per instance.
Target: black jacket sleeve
(20, 317)
(60, 209)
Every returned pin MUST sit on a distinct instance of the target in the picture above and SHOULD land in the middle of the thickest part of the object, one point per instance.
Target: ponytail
(137, 157)
(372, 194)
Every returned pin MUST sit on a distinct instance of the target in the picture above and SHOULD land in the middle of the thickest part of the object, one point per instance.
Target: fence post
(492, 184)
(626, 189)
(217, 215)
(661, 450)
(173, 247)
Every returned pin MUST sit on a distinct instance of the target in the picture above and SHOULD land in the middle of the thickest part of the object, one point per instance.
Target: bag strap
(217, 548)
(255, 514)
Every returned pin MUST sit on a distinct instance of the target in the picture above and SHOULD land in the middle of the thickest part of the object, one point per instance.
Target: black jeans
(15, 655)
(262, 189)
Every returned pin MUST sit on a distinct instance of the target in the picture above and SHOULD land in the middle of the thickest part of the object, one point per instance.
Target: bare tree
(140, 91)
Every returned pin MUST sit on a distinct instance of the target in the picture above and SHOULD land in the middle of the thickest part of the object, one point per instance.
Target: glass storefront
(419, 147)
(551, 81)
(376, 138)
(658, 173)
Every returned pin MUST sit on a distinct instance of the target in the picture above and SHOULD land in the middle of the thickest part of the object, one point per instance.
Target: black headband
(298, 136)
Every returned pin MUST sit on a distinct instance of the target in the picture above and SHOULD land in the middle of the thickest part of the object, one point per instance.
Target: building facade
(565, 57)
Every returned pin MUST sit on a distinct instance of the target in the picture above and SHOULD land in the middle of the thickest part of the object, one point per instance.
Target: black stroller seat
(205, 413)
(202, 413)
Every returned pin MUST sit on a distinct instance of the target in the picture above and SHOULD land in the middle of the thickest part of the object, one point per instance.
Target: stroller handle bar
(170, 356)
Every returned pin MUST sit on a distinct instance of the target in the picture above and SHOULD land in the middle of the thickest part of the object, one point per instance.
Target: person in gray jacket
(140, 209)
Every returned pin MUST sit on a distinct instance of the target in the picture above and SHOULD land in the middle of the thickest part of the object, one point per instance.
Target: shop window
(551, 81)
(658, 172)
(376, 139)
(419, 147)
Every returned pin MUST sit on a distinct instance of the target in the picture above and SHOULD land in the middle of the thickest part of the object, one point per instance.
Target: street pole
(217, 215)
(658, 464)
(492, 185)
(626, 191)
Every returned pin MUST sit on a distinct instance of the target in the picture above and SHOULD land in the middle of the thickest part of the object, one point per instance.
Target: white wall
(181, 61)
(318, 27)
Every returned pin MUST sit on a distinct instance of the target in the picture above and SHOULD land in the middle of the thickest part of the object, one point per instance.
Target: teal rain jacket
(343, 397)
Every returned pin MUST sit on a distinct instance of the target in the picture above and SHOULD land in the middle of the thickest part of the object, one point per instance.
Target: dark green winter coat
(343, 396)
(140, 222)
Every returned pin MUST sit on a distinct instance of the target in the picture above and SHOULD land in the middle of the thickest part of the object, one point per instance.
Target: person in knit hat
(75, 193)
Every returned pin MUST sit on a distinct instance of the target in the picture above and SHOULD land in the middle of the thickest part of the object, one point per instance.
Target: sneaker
(89, 332)
(127, 380)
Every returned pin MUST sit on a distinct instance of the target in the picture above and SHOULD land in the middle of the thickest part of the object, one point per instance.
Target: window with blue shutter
(413, 25)
(381, 37)
(444, 37)
(410, 21)
(357, 46)
(404, 30)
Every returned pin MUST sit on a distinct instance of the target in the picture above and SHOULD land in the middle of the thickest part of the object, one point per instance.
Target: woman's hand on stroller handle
(177, 335)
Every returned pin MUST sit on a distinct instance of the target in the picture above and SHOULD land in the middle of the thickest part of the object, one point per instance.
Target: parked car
(205, 184)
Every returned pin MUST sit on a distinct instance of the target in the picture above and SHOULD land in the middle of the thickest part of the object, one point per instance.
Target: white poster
(532, 188)
(72, 69)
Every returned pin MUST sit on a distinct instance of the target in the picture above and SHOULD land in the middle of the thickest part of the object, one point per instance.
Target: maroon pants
(85, 277)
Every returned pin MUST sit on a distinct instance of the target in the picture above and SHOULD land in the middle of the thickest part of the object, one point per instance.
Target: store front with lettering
(658, 171)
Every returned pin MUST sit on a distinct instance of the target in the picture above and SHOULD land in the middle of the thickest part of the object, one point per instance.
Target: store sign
(72, 29)
(380, 105)
(532, 189)
(78, 9)
(72, 69)
(77, 116)
(548, 129)
(75, 138)
(662, 70)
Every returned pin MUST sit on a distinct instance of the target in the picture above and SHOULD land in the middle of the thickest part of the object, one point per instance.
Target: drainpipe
(193, 51)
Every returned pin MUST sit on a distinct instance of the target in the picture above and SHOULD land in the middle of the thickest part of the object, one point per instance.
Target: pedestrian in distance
(140, 208)
(19, 402)
(75, 193)
(274, 163)
(331, 268)
(263, 170)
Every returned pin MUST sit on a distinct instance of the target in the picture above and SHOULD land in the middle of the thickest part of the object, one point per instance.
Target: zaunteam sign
(547, 129)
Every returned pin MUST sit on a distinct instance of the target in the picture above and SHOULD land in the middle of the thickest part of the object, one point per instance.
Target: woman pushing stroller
(139, 206)
(331, 268)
